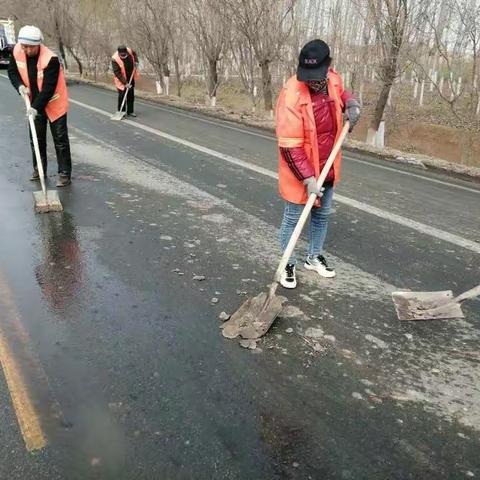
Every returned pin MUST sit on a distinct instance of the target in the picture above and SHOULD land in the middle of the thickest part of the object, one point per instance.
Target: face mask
(317, 85)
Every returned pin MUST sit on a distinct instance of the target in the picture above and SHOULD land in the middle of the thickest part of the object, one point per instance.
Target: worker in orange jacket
(309, 120)
(35, 72)
(124, 63)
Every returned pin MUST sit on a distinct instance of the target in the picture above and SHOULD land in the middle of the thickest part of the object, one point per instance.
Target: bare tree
(211, 31)
(266, 26)
(145, 27)
(390, 18)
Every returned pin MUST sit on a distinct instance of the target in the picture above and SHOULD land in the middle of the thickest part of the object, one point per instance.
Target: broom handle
(36, 148)
(127, 88)
(311, 200)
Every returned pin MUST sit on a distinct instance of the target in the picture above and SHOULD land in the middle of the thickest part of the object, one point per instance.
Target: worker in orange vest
(309, 119)
(124, 63)
(35, 71)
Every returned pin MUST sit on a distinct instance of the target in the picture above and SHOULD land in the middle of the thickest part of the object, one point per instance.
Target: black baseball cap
(122, 49)
(313, 61)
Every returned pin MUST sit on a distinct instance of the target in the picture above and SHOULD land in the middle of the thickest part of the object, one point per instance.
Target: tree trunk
(178, 74)
(212, 83)
(60, 45)
(61, 49)
(267, 85)
(165, 69)
(77, 59)
(380, 106)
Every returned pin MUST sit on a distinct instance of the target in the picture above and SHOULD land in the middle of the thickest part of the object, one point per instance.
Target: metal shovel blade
(47, 203)
(254, 318)
(118, 116)
(426, 305)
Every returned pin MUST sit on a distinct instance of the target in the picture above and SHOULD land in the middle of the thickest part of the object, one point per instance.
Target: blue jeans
(317, 227)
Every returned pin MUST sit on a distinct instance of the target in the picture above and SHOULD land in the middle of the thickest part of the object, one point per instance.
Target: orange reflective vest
(295, 127)
(121, 64)
(58, 104)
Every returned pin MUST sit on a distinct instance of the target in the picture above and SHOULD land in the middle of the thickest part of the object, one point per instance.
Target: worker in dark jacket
(124, 63)
(36, 73)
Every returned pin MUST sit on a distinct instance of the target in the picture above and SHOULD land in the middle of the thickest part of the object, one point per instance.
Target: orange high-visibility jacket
(295, 127)
(116, 58)
(58, 104)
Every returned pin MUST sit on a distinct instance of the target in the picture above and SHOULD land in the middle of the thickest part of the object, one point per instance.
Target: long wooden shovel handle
(311, 200)
(36, 148)
(472, 293)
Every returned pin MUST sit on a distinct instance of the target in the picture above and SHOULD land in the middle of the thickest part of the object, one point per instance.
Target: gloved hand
(32, 112)
(352, 112)
(312, 187)
(23, 90)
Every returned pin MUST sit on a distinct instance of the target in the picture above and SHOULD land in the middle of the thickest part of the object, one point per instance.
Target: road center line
(406, 222)
(25, 411)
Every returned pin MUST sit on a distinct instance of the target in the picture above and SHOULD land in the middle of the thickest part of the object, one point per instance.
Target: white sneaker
(319, 265)
(288, 278)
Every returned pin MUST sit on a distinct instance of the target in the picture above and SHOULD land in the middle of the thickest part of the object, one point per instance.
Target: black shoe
(63, 180)
(36, 176)
(288, 278)
(131, 114)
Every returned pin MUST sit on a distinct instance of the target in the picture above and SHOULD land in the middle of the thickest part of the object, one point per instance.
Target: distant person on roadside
(309, 119)
(124, 62)
(35, 72)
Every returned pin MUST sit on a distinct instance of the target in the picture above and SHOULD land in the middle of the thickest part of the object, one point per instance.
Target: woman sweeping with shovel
(309, 122)
(310, 134)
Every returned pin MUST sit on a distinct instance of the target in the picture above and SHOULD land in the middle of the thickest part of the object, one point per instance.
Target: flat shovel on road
(254, 318)
(121, 113)
(45, 200)
(431, 305)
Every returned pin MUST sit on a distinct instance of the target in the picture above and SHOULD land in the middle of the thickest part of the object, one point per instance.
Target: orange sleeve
(289, 123)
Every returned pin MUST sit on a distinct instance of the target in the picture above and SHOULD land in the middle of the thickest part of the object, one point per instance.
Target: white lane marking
(241, 130)
(406, 222)
(346, 155)
(416, 175)
(273, 139)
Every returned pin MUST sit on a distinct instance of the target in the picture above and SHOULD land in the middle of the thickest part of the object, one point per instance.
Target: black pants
(129, 102)
(59, 131)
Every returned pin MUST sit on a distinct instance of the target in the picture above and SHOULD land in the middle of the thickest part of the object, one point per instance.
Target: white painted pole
(167, 85)
(422, 90)
(433, 81)
(380, 137)
(440, 86)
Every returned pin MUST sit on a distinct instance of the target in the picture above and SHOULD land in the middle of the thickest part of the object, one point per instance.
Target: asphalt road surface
(114, 366)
